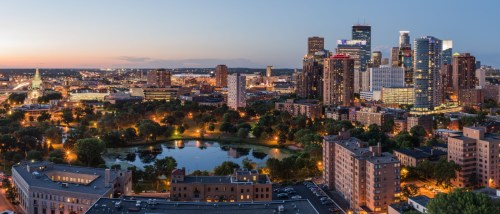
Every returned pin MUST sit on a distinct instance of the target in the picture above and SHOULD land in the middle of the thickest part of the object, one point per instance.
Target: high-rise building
(395, 56)
(364, 33)
(376, 59)
(386, 76)
(366, 177)
(478, 154)
(385, 61)
(221, 76)
(447, 52)
(426, 63)
(404, 39)
(355, 49)
(447, 83)
(481, 77)
(315, 44)
(338, 81)
(310, 81)
(160, 78)
(236, 96)
(464, 72)
(269, 70)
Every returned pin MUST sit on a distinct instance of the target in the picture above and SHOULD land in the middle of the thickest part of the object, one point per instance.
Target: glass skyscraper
(427, 62)
(364, 33)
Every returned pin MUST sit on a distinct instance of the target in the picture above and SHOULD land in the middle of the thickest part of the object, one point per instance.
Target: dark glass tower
(364, 32)
(426, 77)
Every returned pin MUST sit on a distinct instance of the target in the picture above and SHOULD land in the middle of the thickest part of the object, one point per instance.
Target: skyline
(128, 34)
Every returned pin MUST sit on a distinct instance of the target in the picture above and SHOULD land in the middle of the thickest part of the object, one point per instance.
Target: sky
(204, 33)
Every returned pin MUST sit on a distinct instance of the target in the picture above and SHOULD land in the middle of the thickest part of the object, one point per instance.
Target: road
(4, 203)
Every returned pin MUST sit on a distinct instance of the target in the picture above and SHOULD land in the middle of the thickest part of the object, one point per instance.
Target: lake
(193, 154)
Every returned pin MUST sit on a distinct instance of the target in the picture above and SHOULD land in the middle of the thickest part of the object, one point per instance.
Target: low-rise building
(87, 94)
(337, 113)
(308, 108)
(401, 96)
(409, 157)
(169, 93)
(373, 115)
(425, 121)
(243, 185)
(45, 187)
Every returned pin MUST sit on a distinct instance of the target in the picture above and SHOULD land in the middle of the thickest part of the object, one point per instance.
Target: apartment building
(366, 177)
(478, 153)
(308, 108)
(45, 187)
(241, 186)
(373, 115)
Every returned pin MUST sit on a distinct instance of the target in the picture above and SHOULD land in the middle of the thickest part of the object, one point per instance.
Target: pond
(193, 155)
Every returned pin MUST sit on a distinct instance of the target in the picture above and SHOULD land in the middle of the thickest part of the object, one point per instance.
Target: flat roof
(421, 200)
(107, 205)
(42, 180)
(413, 153)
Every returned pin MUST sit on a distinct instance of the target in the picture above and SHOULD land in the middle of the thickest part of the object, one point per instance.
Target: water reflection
(194, 155)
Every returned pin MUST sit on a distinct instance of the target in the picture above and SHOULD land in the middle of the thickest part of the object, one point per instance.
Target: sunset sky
(203, 33)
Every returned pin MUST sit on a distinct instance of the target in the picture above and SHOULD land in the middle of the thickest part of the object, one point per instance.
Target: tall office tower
(447, 83)
(221, 76)
(315, 44)
(385, 61)
(338, 81)
(404, 39)
(376, 59)
(269, 71)
(366, 177)
(464, 72)
(364, 33)
(426, 78)
(355, 49)
(236, 95)
(477, 153)
(481, 77)
(395, 56)
(447, 52)
(478, 64)
(406, 61)
(310, 82)
(159, 78)
(387, 77)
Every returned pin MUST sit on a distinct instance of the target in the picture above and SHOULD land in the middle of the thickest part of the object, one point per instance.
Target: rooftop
(37, 175)
(107, 205)
(421, 200)
(413, 153)
(385, 157)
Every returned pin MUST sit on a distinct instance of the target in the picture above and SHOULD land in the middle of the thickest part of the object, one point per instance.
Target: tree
(211, 127)
(226, 168)
(445, 171)
(149, 129)
(200, 173)
(17, 98)
(409, 190)
(34, 155)
(44, 116)
(89, 151)
(242, 133)
(67, 116)
(248, 164)
(54, 134)
(462, 202)
(226, 127)
(165, 166)
(56, 156)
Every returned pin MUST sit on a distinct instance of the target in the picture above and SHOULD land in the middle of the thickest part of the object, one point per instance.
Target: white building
(481, 77)
(44, 187)
(236, 97)
(386, 76)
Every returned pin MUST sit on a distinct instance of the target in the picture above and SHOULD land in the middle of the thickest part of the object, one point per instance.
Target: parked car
(296, 197)
(283, 195)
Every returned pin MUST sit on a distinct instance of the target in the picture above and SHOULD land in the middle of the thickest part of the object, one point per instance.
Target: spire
(37, 80)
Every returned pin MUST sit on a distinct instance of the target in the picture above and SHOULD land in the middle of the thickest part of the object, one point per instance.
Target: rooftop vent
(65, 185)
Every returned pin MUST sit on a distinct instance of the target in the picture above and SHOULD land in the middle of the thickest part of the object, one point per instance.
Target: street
(4, 203)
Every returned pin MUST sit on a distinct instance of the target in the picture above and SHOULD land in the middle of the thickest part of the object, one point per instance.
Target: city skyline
(131, 34)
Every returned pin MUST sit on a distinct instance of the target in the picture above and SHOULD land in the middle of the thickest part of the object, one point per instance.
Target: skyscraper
(236, 96)
(386, 76)
(338, 81)
(364, 33)
(310, 81)
(404, 39)
(269, 70)
(356, 50)
(405, 60)
(221, 76)
(426, 62)
(447, 52)
(464, 72)
(159, 78)
(315, 44)
(395, 56)
(376, 59)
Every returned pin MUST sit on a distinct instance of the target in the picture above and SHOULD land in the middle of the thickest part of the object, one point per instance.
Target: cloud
(146, 62)
(133, 59)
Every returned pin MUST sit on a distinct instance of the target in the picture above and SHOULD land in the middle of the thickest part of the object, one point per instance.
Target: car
(283, 195)
(279, 190)
(138, 204)
(296, 197)
(327, 202)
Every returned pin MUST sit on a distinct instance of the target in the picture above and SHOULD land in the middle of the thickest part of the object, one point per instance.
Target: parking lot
(306, 193)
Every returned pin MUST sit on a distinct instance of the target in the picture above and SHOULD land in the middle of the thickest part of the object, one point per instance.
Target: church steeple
(37, 80)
